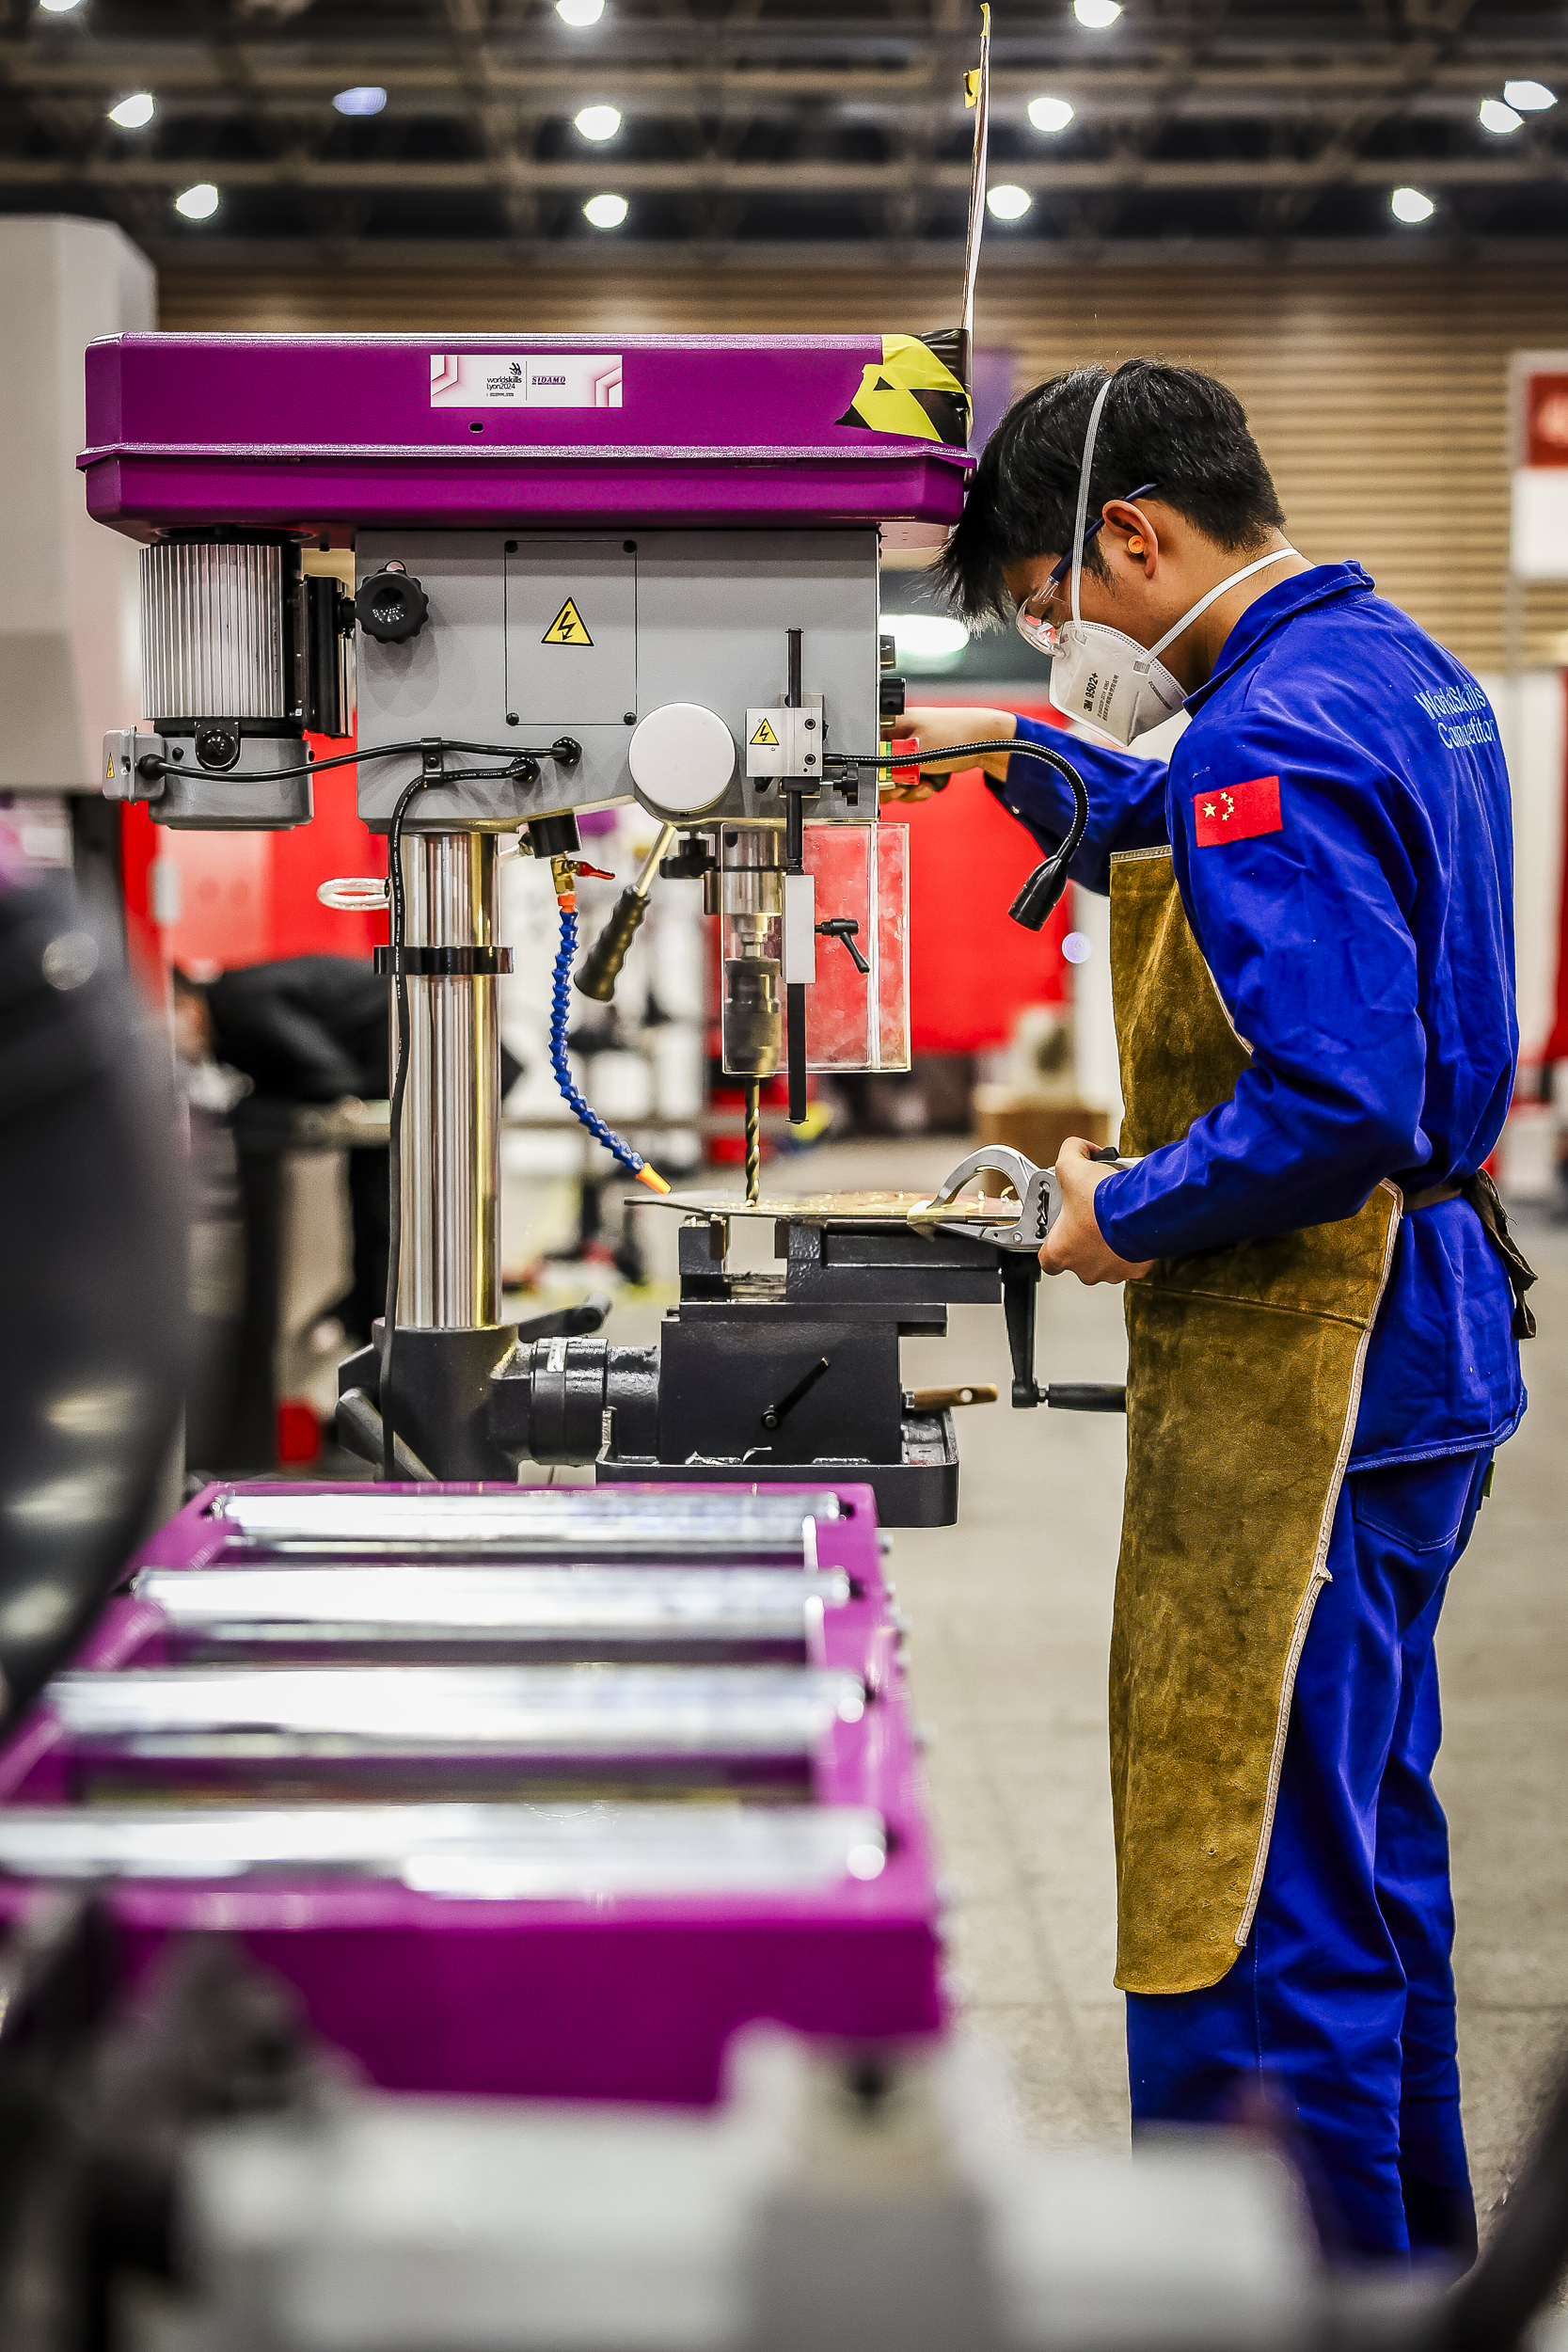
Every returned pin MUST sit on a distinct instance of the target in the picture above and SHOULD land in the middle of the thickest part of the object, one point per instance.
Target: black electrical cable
(512, 753)
(1049, 880)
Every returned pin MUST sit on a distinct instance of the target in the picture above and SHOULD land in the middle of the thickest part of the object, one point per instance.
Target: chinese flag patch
(1234, 812)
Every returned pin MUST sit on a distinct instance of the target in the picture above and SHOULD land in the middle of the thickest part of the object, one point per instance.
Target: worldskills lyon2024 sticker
(496, 379)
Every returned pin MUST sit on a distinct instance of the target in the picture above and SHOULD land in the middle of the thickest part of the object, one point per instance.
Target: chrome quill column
(449, 1277)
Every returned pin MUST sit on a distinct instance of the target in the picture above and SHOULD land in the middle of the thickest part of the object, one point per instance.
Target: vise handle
(942, 1400)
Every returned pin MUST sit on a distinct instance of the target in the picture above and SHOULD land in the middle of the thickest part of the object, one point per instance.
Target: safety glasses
(1030, 619)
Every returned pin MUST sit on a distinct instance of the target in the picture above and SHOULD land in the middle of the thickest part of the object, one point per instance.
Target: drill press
(583, 576)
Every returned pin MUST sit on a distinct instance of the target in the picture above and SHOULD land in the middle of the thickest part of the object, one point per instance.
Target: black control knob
(555, 836)
(890, 696)
(218, 742)
(392, 604)
(690, 862)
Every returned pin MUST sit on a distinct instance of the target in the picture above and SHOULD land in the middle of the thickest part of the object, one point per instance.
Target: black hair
(1173, 426)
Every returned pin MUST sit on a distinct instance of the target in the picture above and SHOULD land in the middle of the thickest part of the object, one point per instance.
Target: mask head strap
(1078, 533)
(1219, 590)
(1082, 515)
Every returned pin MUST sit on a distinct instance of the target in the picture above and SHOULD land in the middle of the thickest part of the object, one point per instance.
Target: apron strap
(1482, 1195)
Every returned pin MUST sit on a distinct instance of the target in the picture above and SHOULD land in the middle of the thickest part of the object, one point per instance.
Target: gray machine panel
(675, 616)
(570, 634)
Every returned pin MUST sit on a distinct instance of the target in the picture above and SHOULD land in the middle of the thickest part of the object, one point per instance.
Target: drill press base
(764, 1377)
(921, 1490)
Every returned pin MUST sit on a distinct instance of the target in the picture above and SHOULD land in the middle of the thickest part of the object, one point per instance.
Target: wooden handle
(937, 1400)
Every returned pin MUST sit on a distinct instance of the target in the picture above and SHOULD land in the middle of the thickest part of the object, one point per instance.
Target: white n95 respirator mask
(1105, 677)
(1100, 674)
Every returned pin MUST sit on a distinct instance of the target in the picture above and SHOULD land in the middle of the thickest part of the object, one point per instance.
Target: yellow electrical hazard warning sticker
(567, 628)
(766, 737)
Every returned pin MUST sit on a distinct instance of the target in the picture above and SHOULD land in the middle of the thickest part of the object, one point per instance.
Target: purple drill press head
(328, 432)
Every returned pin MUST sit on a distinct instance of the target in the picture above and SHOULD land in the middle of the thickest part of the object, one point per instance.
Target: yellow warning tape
(886, 401)
(972, 79)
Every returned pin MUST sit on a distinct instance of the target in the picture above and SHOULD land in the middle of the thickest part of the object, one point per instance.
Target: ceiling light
(1409, 204)
(1007, 203)
(1498, 119)
(134, 113)
(927, 636)
(606, 211)
(1096, 14)
(365, 97)
(57, 8)
(1532, 98)
(580, 11)
(1050, 114)
(197, 203)
(598, 122)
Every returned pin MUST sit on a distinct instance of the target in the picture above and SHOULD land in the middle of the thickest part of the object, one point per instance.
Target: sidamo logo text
(1462, 715)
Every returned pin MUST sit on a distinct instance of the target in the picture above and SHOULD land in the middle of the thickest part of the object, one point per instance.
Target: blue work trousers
(1340, 2008)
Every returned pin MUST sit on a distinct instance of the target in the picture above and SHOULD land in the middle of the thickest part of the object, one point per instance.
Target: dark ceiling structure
(766, 125)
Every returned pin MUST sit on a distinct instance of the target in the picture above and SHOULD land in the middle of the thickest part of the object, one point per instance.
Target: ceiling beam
(193, 71)
(721, 174)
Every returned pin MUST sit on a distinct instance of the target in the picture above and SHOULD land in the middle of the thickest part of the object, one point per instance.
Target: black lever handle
(1085, 1396)
(1021, 1282)
(601, 967)
(791, 1397)
(568, 1322)
(360, 1431)
(844, 926)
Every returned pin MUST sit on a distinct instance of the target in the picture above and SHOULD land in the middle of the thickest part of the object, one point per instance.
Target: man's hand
(936, 728)
(1075, 1243)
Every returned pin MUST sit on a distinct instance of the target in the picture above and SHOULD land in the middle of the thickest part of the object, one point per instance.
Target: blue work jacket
(1360, 931)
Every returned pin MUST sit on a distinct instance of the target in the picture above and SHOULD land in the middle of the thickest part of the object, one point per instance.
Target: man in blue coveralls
(1313, 972)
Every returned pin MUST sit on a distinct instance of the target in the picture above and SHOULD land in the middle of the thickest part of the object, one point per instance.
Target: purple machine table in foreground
(646, 1776)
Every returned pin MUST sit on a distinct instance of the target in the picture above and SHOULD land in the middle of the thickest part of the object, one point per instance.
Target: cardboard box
(1035, 1128)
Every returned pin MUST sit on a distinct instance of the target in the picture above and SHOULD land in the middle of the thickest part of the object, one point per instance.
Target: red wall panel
(251, 898)
(970, 970)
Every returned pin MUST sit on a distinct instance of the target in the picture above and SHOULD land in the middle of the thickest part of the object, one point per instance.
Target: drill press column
(449, 1277)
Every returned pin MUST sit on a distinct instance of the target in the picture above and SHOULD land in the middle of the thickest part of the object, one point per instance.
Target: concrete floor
(1012, 1613)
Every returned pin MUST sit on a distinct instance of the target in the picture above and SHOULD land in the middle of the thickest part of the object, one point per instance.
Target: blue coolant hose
(560, 988)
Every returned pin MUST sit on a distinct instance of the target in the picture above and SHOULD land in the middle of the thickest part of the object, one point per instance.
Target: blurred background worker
(1312, 961)
(304, 1029)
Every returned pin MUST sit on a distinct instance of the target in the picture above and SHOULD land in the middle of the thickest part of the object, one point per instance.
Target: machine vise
(772, 1376)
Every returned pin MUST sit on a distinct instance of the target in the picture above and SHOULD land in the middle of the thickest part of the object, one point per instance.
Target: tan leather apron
(1243, 1379)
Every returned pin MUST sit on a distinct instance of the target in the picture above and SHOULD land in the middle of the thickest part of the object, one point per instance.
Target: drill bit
(753, 1142)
